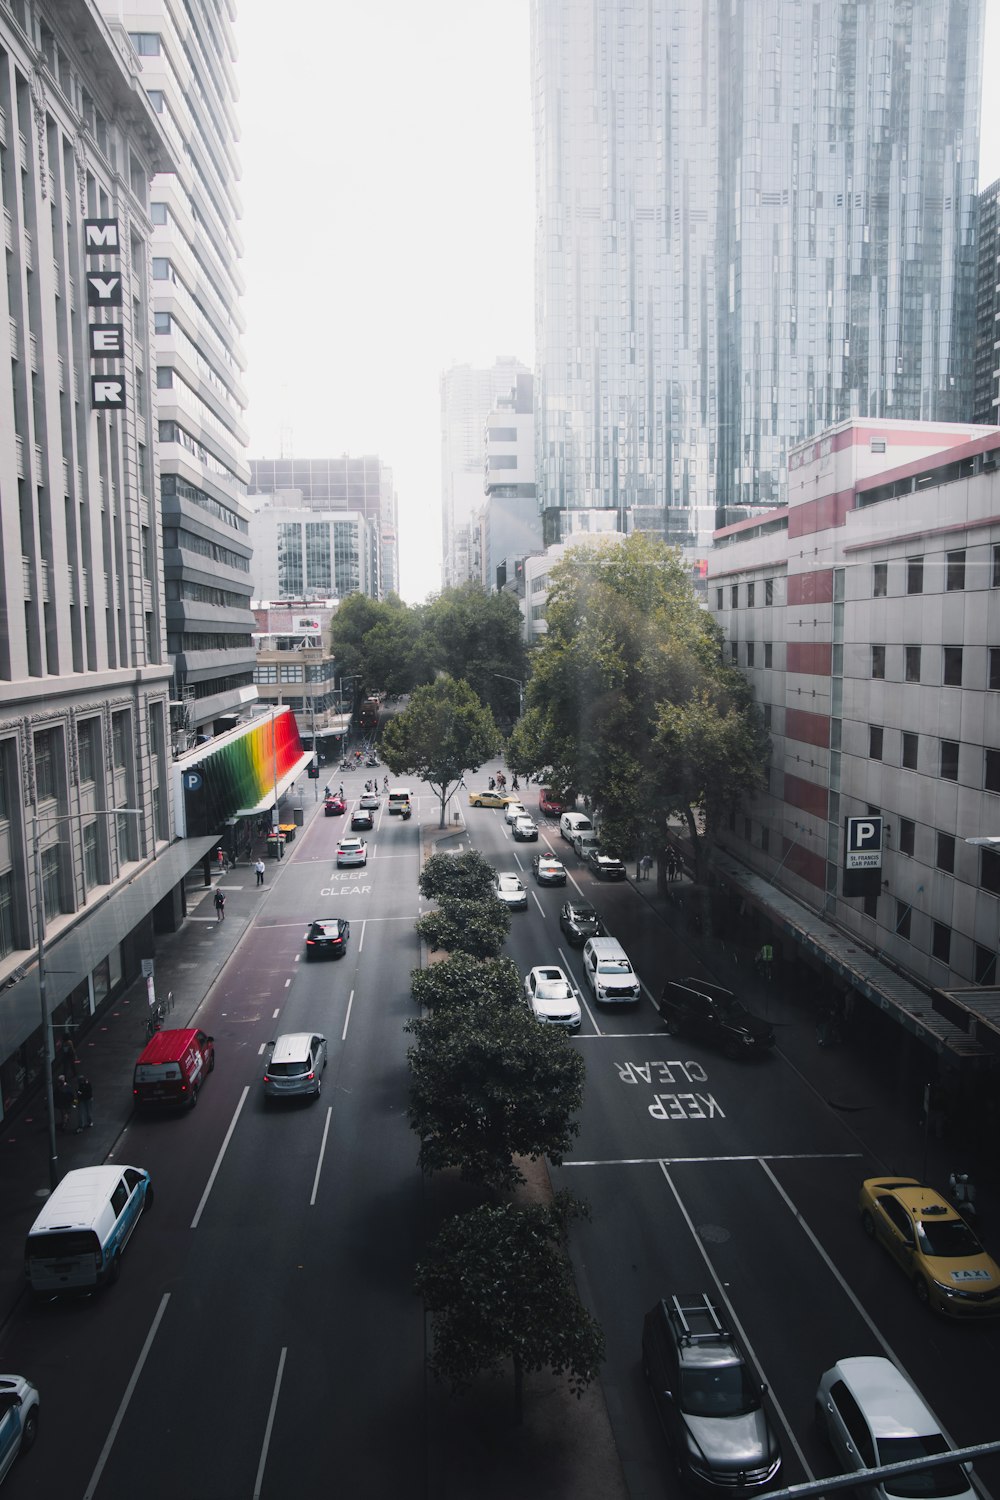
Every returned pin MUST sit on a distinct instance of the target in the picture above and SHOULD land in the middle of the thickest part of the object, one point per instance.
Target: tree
(443, 731)
(488, 1083)
(479, 637)
(462, 980)
(468, 875)
(501, 1289)
(478, 927)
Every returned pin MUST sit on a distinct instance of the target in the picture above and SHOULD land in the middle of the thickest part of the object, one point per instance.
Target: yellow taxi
(948, 1267)
(489, 799)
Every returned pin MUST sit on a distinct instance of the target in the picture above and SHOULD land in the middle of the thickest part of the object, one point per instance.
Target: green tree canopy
(443, 731)
(468, 875)
(477, 927)
(488, 1083)
(478, 637)
(464, 980)
(501, 1292)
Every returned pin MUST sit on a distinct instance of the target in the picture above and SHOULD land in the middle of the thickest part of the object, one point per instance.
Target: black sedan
(327, 938)
(362, 818)
(605, 866)
(580, 922)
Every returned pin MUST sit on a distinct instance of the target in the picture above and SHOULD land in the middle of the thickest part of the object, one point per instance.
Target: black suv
(709, 1013)
(580, 922)
(708, 1399)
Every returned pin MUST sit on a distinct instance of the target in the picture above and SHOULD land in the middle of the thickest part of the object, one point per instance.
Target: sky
(388, 192)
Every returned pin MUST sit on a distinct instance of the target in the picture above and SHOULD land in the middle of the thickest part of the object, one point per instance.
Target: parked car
(548, 870)
(327, 938)
(172, 1067)
(709, 1013)
(579, 922)
(362, 819)
(333, 806)
(296, 1065)
(573, 822)
(605, 866)
(351, 852)
(708, 1399)
(369, 800)
(609, 972)
(872, 1416)
(933, 1245)
(525, 829)
(513, 811)
(18, 1418)
(77, 1241)
(551, 998)
(583, 840)
(487, 799)
(550, 805)
(507, 887)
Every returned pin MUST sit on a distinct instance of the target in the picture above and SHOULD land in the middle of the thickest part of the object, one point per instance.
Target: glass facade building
(755, 218)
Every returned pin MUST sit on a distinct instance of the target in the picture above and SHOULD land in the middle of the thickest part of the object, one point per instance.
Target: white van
(400, 799)
(574, 822)
(609, 973)
(78, 1238)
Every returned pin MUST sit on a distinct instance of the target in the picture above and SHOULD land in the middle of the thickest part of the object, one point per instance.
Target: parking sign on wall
(862, 856)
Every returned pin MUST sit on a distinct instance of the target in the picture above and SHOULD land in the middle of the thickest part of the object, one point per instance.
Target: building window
(875, 735)
(953, 666)
(949, 760)
(910, 744)
(46, 764)
(946, 853)
(90, 866)
(749, 653)
(51, 894)
(985, 971)
(7, 938)
(734, 652)
(941, 942)
(718, 598)
(768, 590)
(734, 596)
(994, 667)
(769, 654)
(955, 572)
(878, 661)
(837, 661)
(914, 575)
(750, 593)
(87, 742)
(907, 836)
(880, 580)
(989, 871)
(996, 565)
(765, 839)
(912, 660)
(992, 778)
(903, 914)
(119, 741)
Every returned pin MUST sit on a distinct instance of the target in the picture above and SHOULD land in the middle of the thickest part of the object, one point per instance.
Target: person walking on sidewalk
(85, 1099)
(220, 905)
(259, 868)
(65, 1101)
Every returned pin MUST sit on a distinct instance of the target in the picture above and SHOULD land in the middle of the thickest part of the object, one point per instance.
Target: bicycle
(154, 1021)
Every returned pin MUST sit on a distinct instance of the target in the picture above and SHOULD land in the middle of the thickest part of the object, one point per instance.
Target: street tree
(478, 927)
(468, 875)
(500, 1288)
(478, 637)
(443, 731)
(488, 1083)
(464, 980)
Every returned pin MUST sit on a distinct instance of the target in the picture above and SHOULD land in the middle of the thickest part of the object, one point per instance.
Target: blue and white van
(18, 1418)
(77, 1240)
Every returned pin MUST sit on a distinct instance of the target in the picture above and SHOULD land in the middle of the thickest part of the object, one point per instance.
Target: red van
(549, 803)
(173, 1067)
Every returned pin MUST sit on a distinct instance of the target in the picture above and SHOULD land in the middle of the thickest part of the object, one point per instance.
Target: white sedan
(507, 887)
(352, 852)
(515, 810)
(550, 997)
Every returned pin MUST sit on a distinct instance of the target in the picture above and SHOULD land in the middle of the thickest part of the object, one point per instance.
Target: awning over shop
(844, 955)
(297, 771)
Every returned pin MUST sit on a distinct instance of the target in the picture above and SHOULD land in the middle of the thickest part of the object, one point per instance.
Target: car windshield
(926, 1484)
(582, 914)
(719, 1391)
(509, 883)
(614, 966)
(952, 1239)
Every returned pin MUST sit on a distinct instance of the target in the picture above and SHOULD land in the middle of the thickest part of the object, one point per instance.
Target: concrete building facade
(510, 527)
(300, 553)
(468, 396)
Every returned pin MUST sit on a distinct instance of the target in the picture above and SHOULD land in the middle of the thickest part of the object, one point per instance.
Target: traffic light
(313, 773)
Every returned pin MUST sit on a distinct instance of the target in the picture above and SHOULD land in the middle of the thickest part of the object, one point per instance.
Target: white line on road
(287, 983)
(105, 1454)
(361, 940)
(276, 1013)
(541, 908)
(322, 1153)
(347, 1018)
(625, 1036)
(580, 995)
(218, 1160)
(270, 1423)
(697, 1161)
(262, 1049)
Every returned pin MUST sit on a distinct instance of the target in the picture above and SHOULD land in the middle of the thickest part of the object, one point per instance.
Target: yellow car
(933, 1244)
(488, 799)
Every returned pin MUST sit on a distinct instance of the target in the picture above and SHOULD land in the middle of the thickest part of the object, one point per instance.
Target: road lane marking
(269, 1425)
(287, 983)
(579, 993)
(105, 1453)
(322, 1153)
(276, 1013)
(361, 940)
(541, 908)
(347, 1018)
(218, 1160)
(710, 1268)
(696, 1161)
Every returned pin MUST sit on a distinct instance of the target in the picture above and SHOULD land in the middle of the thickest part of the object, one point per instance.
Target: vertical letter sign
(104, 289)
(862, 856)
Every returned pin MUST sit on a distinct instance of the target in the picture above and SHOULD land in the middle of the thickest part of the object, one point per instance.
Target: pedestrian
(340, 794)
(85, 1098)
(69, 1056)
(259, 868)
(514, 784)
(762, 959)
(385, 783)
(65, 1101)
(220, 905)
(326, 791)
(671, 864)
(647, 865)
(219, 857)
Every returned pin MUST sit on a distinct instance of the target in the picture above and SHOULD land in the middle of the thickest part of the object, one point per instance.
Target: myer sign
(862, 856)
(104, 289)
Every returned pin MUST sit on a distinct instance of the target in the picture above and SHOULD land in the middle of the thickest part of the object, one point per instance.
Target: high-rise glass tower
(755, 218)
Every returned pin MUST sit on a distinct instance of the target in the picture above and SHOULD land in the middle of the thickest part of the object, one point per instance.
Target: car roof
(508, 875)
(291, 1045)
(548, 971)
(548, 859)
(886, 1397)
(325, 921)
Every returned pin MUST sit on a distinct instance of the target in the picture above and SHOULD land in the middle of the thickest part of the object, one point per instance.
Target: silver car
(296, 1065)
(507, 887)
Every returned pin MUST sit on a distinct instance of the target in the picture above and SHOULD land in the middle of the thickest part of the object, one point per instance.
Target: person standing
(647, 865)
(65, 1101)
(70, 1057)
(85, 1099)
(220, 905)
(259, 868)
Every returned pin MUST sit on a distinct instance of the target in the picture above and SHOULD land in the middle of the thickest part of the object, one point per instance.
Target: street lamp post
(520, 689)
(50, 1055)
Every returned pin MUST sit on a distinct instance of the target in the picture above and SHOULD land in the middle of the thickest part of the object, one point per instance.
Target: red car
(334, 805)
(549, 804)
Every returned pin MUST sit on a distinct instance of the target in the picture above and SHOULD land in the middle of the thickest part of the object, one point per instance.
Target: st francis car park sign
(862, 856)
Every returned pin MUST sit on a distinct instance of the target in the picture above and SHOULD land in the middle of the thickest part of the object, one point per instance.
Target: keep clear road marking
(218, 1160)
(105, 1453)
(270, 1424)
(697, 1241)
(347, 1018)
(580, 995)
(322, 1153)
